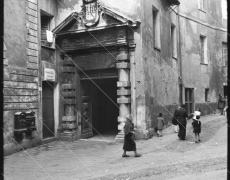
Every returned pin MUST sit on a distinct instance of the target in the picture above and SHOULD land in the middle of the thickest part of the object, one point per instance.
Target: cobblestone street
(162, 158)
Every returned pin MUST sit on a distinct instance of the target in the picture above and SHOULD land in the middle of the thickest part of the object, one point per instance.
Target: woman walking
(129, 144)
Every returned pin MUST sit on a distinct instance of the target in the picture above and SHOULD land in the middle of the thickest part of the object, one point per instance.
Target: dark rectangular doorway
(189, 100)
(105, 109)
(47, 109)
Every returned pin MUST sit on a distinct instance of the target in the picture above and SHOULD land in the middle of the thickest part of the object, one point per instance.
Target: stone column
(69, 122)
(123, 91)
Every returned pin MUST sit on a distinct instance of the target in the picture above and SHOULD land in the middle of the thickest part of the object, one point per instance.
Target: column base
(120, 137)
(69, 136)
(143, 134)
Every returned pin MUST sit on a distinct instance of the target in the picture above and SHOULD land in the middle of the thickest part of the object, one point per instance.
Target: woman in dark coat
(129, 144)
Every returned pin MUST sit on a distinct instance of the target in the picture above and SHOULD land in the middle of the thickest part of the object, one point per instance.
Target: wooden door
(86, 115)
(47, 110)
(189, 102)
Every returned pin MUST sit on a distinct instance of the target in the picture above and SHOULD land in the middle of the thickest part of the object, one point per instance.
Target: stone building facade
(107, 60)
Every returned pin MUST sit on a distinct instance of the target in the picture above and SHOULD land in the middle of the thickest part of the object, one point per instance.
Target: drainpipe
(180, 57)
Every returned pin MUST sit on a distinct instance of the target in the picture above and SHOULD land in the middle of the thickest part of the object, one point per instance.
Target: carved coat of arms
(91, 10)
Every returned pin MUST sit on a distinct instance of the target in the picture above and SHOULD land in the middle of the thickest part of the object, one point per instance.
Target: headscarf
(197, 115)
(128, 126)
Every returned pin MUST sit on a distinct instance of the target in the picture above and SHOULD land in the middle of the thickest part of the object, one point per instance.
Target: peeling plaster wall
(20, 72)
(196, 75)
(160, 70)
(15, 32)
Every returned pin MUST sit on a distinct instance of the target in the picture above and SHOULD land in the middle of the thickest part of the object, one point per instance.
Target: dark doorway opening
(189, 100)
(225, 91)
(105, 109)
(47, 109)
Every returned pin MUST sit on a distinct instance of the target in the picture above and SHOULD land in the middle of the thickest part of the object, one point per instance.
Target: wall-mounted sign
(49, 74)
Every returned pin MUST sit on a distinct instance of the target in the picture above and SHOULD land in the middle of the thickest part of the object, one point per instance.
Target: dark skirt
(129, 144)
(182, 131)
(196, 126)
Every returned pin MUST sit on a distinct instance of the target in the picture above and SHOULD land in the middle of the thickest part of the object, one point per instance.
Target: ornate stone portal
(109, 31)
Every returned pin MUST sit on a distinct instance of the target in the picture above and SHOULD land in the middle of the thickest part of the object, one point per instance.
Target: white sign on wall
(49, 74)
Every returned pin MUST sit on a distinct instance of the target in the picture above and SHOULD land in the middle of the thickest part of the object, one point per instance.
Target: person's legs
(179, 132)
(124, 154)
(196, 138)
(225, 111)
(183, 131)
(176, 128)
(161, 132)
(136, 154)
(221, 111)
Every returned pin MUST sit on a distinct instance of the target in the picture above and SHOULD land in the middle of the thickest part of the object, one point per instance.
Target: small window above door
(46, 20)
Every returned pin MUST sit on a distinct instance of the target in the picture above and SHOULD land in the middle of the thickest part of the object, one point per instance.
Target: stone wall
(20, 72)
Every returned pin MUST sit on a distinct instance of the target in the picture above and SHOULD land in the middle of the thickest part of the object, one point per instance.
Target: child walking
(197, 125)
(160, 125)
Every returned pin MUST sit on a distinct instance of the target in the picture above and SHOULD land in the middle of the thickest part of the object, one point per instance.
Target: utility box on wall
(24, 121)
(19, 122)
(30, 121)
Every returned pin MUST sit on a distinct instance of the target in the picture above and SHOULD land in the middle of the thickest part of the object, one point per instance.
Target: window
(173, 41)
(206, 94)
(203, 50)
(201, 4)
(224, 9)
(225, 54)
(45, 25)
(156, 28)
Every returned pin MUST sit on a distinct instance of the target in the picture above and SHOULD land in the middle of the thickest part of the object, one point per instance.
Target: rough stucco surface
(196, 75)
(161, 79)
(161, 71)
(15, 32)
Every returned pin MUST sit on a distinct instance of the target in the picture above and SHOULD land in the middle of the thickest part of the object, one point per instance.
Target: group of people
(180, 118)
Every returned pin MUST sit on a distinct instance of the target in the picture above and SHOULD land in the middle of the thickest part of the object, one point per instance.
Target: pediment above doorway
(105, 18)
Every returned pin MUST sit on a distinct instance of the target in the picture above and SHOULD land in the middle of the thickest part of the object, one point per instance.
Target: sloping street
(166, 157)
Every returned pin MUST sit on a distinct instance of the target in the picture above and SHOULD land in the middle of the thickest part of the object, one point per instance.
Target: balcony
(173, 2)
